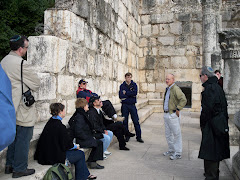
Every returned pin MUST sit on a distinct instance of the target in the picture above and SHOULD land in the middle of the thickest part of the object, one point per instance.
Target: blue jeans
(77, 157)
(107, 140)
(131, 108)
(17, 153)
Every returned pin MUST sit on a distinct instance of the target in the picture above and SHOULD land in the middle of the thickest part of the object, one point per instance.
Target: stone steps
(145, 109)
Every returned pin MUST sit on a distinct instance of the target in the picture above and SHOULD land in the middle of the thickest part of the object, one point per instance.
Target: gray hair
(206, 70)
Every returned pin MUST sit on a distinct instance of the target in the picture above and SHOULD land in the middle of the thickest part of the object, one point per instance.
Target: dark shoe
(94, 165)
(8, 169)
(27, 172)
(140, 140)
(131, 134)
(127, 138)
(124, 148)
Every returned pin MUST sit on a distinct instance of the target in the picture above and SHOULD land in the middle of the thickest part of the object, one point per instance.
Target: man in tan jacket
(174, 101)
(17, 154)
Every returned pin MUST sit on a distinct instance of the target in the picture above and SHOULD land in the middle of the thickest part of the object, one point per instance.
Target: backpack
(58, 172)
(7, 113)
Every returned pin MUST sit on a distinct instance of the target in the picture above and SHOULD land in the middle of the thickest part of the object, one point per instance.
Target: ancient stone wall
(170, 42)
(92, 39)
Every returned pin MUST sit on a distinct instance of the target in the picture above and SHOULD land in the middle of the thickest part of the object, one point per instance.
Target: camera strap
(22, 76)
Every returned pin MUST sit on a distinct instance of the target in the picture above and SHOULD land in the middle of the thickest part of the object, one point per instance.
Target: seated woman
(83, 132)
(55, 145)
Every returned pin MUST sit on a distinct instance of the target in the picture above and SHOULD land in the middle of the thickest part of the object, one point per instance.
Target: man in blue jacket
(7, 113)
(128, 95)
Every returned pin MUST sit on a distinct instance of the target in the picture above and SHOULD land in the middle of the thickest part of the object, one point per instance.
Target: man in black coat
(214, 124)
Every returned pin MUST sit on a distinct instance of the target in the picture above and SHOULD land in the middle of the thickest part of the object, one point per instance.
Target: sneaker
(104, 156)
(107, 152)
(168, 153)
(119, 118)
(175, 156)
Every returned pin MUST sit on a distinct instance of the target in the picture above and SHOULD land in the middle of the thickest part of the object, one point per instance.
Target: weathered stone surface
(47, 53)
(142, 76)
(197, 28)
(145, 19)
(70, 108)
(43, 110)
(66, 85)
(192, 50)
(47, 90)
(197, 88)
(143, 87)
(161, 18)
(151, 87)
(196, 97)
(185, 74)
(196, 40)
(166, 40)
(155, 30)
(146, 30)
(176, 28)
(171, 50)
(163, 29)
(161, 87)
(179, 62)
(183, 17)
(90, 37)
(143, 42)
(64, 24)
(77, 57)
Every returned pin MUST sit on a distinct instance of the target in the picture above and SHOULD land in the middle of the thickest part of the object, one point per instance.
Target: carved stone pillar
(230, 45)
(211, 23)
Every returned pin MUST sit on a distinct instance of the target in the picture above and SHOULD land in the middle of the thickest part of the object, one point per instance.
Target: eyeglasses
(84, 83)
(201, 75)
(16, 38)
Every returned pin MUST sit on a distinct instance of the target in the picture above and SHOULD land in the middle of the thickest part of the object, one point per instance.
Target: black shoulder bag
(28, 98)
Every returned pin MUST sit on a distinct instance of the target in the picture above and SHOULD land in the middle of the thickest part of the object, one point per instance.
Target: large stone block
(142, 76)
(47, 90)
(167, 40)
(122, 11)
(197, 28)
(99, 65)
(145, 19)
(171, 50)
(77, 57)
(66, 85)
(143, 87)
(161, 87)
(79, 7)
(43, 110)
(47, 53)
(146, 30)
(192, 50)
(143, 42)
(155, 30)
(70, 106)
(64, 24)
(196, 97)
(179, 62)
(151, 87)
(90, 37)
(185, 74)
(163, 29)
(176, 28)
(162, 18)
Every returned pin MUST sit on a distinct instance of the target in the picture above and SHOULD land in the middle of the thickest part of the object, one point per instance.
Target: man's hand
(124, 92)
(106, 132)
(177, 113)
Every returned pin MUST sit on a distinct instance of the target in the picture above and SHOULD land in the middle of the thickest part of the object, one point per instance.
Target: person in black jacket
(214, 124)
(95, 116)
(84, 134)
(55, 145)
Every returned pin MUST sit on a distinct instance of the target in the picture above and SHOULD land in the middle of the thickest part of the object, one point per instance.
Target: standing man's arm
(122, 95)
(132, 91)
(30, 78)
(182, 101)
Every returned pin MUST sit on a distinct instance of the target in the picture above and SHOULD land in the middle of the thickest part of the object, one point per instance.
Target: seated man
(95, 117)
(108, 108)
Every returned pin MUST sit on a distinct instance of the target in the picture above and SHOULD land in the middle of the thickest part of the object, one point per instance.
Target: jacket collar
(14, 54)
(211, 80)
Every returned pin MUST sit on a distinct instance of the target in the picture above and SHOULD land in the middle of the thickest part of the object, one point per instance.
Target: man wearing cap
(108, 108)
(214, 124)
(96, 118)
(174, 101)
(17, 154)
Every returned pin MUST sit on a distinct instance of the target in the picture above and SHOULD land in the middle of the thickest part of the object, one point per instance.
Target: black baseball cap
(82, 81)
(93, 98)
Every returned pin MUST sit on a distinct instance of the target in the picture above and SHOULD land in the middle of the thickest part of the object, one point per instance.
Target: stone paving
(146, 162)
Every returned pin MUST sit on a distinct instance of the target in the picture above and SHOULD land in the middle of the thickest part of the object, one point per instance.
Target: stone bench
(145, 109)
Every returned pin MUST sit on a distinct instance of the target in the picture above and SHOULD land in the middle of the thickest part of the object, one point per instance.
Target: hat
(82, 81)
(93, 98)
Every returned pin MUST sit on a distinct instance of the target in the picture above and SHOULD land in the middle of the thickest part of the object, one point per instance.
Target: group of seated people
(91, 126)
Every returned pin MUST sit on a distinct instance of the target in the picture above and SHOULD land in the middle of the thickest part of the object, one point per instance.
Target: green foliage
(20, 17)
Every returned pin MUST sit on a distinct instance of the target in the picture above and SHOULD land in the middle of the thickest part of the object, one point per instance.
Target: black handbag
(28, 98)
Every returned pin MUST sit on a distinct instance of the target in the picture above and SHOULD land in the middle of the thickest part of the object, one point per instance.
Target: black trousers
(96, 153)
(108, 108)
(211, 169)
(119, 131)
